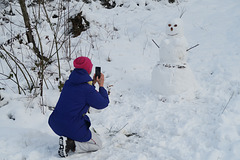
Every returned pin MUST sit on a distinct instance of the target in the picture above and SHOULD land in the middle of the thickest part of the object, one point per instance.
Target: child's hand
(101, 80)
(94, 80)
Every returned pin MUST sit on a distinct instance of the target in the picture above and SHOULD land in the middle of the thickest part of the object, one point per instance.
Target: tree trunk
(29, 30)
(26, 21)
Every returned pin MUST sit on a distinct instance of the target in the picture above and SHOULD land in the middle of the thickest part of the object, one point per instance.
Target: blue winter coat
(69, 116)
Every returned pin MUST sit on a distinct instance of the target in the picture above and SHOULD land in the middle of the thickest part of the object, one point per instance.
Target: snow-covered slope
(138, 124)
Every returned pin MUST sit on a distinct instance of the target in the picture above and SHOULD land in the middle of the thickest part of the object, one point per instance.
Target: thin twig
(115, 132)
(155, 43)
(228, 102)
(122, 128)
(192, 47)
(183, 10)
(14, 82)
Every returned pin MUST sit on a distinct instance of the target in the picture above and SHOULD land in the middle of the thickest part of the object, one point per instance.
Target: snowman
(172, 75)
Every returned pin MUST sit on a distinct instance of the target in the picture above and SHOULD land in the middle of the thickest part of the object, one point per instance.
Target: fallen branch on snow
(228, 102)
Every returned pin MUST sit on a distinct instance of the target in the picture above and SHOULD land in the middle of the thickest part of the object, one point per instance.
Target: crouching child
(69, 119)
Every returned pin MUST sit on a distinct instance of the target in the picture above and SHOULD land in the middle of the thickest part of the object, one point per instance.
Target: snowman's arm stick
(155, 43)
(192, 47)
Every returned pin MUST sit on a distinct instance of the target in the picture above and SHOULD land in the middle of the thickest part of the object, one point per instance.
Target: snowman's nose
(171, 29)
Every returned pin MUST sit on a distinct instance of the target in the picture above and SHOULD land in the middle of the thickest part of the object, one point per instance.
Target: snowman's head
(175, 27)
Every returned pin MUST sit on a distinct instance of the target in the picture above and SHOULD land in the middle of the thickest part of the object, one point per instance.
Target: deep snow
(138, 125)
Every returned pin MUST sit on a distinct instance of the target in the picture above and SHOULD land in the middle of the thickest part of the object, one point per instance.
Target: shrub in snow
(79, 24)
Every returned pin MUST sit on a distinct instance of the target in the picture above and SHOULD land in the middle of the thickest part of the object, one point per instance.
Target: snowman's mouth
(172, 34)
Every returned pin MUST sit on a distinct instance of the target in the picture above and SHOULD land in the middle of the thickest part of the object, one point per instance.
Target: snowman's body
(172, 75)
(173, 50)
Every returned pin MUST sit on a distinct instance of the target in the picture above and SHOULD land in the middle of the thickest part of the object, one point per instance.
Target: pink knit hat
(83, 63)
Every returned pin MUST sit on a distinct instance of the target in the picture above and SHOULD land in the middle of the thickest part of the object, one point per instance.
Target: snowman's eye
(175, 25)
(169, 25)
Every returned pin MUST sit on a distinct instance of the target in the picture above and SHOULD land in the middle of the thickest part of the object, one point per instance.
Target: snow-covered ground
(137, 125)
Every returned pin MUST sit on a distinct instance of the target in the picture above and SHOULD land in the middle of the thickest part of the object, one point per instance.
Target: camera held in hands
(98, 72)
